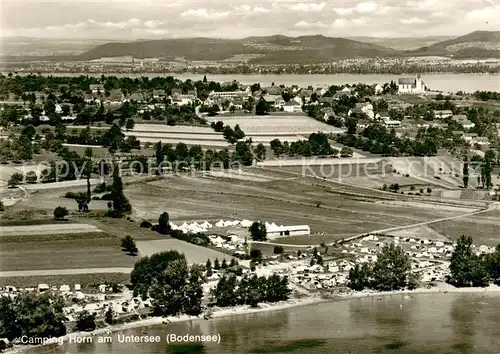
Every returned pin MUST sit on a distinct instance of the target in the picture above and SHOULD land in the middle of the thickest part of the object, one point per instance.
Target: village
(433, 177)
(313, 271)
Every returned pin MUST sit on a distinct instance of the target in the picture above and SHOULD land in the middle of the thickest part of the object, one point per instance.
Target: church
(409, 86)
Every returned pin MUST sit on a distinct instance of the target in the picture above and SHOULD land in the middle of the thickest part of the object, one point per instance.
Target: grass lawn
(483, 228)
(194, 253)
(65, 251)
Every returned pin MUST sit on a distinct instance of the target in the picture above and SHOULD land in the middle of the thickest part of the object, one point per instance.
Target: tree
(108, 316)
(60, 213)
(15, 179)
(256, 255)
(120, 204)
(260, 152)
(278, 250)
(159, 158)
(32, 314)
(208, 268)
(351, 125)
(258, 231)
(466, 268)
(128, 245)
(223, 264)
(238, 133)
(86, 322)
(31, 177)
(130, 124)
(346, 152)
(262, 107)
(224, 293)
(177, 289)
(493, 265)
(163, 224)
(359, 277)
(88, 173)
(2, 207)
(216, 264)
(149, 268)
(392, 269)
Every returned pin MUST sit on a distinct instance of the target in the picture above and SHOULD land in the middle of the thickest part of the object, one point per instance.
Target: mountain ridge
(281, 49)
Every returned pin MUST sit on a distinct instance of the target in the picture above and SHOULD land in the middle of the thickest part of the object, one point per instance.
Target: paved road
(27, 273)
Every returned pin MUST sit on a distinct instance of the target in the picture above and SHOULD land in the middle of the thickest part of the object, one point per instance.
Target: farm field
(49, 229)
(152, 133)
(63, 251)
(277, 124)
(373, 173)
(331, 213)
(484, 228)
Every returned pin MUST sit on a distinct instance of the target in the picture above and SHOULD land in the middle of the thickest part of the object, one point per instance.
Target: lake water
(443, 82)
(423, 323)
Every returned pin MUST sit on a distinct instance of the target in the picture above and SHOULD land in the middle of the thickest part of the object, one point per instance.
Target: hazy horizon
(129, 20)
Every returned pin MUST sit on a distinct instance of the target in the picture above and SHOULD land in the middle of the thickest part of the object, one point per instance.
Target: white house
(464, 121)
(279, 103)
(392, 123)
(292, 107)
(442, 114)
(409, 86)
(98, 88)
(230, 94)
(182, 99)
(378, 89)
(274, 231)
(297, 99)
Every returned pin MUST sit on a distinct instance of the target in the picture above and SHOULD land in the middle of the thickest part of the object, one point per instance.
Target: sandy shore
(438, 288)
(151, 321)
(266, 307)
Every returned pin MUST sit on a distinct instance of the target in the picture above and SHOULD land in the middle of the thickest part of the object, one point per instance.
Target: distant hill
(191, 49)
(276, 49)
(478, 44)
(27, 46)
(403, 43)
(272, 49)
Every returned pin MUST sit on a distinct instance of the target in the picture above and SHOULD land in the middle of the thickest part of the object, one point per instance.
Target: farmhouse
(292, 107)
(442, 114)
(97, 88)
(462, 119)
(228, 94)
(392, 123)
(409, 86)
(273, 231)
(158, 94)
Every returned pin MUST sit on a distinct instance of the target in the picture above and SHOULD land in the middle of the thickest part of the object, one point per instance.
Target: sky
(148, 19)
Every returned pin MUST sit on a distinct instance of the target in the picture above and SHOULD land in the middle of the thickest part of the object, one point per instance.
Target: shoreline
(440, 288)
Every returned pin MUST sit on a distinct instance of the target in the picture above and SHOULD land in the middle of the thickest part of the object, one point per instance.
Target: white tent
(184, 226)
(194, 225)
(246, 223)
(236, 222)
(206, 225)
(220, 223)
(228, 223)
